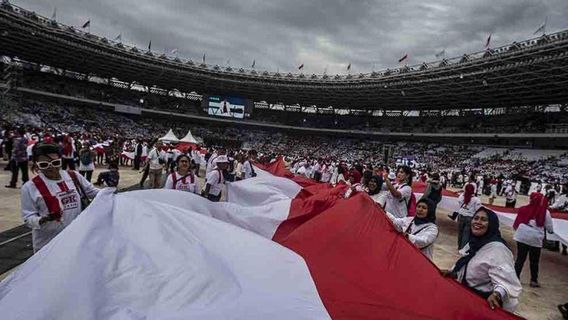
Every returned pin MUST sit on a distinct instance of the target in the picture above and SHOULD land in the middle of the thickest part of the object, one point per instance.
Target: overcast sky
(281, 35)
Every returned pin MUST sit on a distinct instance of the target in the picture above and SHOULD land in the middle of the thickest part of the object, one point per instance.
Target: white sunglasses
(42, 165)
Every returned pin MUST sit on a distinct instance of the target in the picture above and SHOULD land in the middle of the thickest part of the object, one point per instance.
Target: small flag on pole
(403, 58)
(54, 15)
(253, 63)
(301, 67)
(150, 45)
(86, 24)
(349, 66)
(542, 28)
(441, 54)
(204, 58)
(488, 42)
(118, 38)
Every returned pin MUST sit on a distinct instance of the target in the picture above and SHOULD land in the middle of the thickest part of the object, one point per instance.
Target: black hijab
(379, 181)
(430, 217)
(475, 243)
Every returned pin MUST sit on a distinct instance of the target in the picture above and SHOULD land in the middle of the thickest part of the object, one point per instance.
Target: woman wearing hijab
(421, 229)
(469, 204)
(530, 225)
(486, 266)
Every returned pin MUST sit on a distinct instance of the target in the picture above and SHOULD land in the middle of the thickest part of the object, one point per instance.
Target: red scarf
(536, 209)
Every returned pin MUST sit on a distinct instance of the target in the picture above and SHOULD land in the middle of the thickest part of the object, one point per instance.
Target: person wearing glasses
(53, 198)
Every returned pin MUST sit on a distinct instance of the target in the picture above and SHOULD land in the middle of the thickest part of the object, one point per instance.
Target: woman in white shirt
(53, 198)
(421, 230)
(374, 188)
(468, 205)
(510, 196)
(183, 178)
(87, 159)
(530, 225)
(486, 265)
(399, 193)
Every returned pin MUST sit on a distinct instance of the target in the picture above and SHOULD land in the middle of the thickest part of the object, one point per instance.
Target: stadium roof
(532, 72)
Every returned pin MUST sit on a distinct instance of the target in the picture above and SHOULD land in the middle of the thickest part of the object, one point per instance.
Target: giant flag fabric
(281, 247)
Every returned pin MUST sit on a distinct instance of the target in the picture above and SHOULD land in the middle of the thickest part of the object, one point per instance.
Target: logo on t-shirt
(69, 200)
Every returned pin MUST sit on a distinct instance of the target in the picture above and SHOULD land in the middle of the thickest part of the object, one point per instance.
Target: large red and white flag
(282, 247)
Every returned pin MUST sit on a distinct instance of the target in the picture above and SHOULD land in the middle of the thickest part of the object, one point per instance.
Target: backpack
(411, 204)
(85, 158)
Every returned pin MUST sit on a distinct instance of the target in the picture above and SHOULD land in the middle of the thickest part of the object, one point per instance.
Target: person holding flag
(183, 178)
(215, 179)
(53, 198)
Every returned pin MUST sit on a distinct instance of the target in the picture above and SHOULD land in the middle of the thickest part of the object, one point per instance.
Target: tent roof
(170, 136)
(188, 138)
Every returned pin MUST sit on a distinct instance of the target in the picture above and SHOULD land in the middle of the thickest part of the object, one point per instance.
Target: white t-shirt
(184, 184)
(154, 158)
(144, 151)
(492, 269)
(34, 207)
(399, 206)
(422, 236)
(215, 180)
(239, 170)
(211, 163)
(468, 210)
(532, 234)
(247, 170)
(195, 155)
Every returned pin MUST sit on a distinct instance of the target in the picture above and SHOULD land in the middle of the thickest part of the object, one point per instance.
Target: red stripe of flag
(363, 268)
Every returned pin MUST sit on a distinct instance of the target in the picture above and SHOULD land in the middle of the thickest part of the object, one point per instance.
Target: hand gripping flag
(282, 247)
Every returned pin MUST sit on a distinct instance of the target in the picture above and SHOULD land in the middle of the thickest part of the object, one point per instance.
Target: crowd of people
(114, 91)
(59, 140)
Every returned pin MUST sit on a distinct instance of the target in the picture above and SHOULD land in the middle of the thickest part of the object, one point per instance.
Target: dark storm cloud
(322, 34)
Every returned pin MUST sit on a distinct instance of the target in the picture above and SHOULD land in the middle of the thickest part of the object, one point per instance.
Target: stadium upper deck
(532, 72)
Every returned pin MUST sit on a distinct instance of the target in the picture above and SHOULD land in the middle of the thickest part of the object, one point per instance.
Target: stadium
(495, 120)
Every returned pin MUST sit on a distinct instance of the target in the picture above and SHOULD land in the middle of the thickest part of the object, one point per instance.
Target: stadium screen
(230, 107)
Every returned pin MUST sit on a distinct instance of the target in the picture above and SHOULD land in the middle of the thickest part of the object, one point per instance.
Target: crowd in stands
(132, 94)
(362, 164)
(100, 125)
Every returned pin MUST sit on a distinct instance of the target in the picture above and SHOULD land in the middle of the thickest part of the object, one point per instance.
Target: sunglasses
(42, 165)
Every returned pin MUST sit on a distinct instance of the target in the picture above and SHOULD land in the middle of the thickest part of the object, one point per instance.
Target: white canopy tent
(189, 138)
(169, 137)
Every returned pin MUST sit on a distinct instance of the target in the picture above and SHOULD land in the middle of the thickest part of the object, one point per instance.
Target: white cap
(222, 159)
